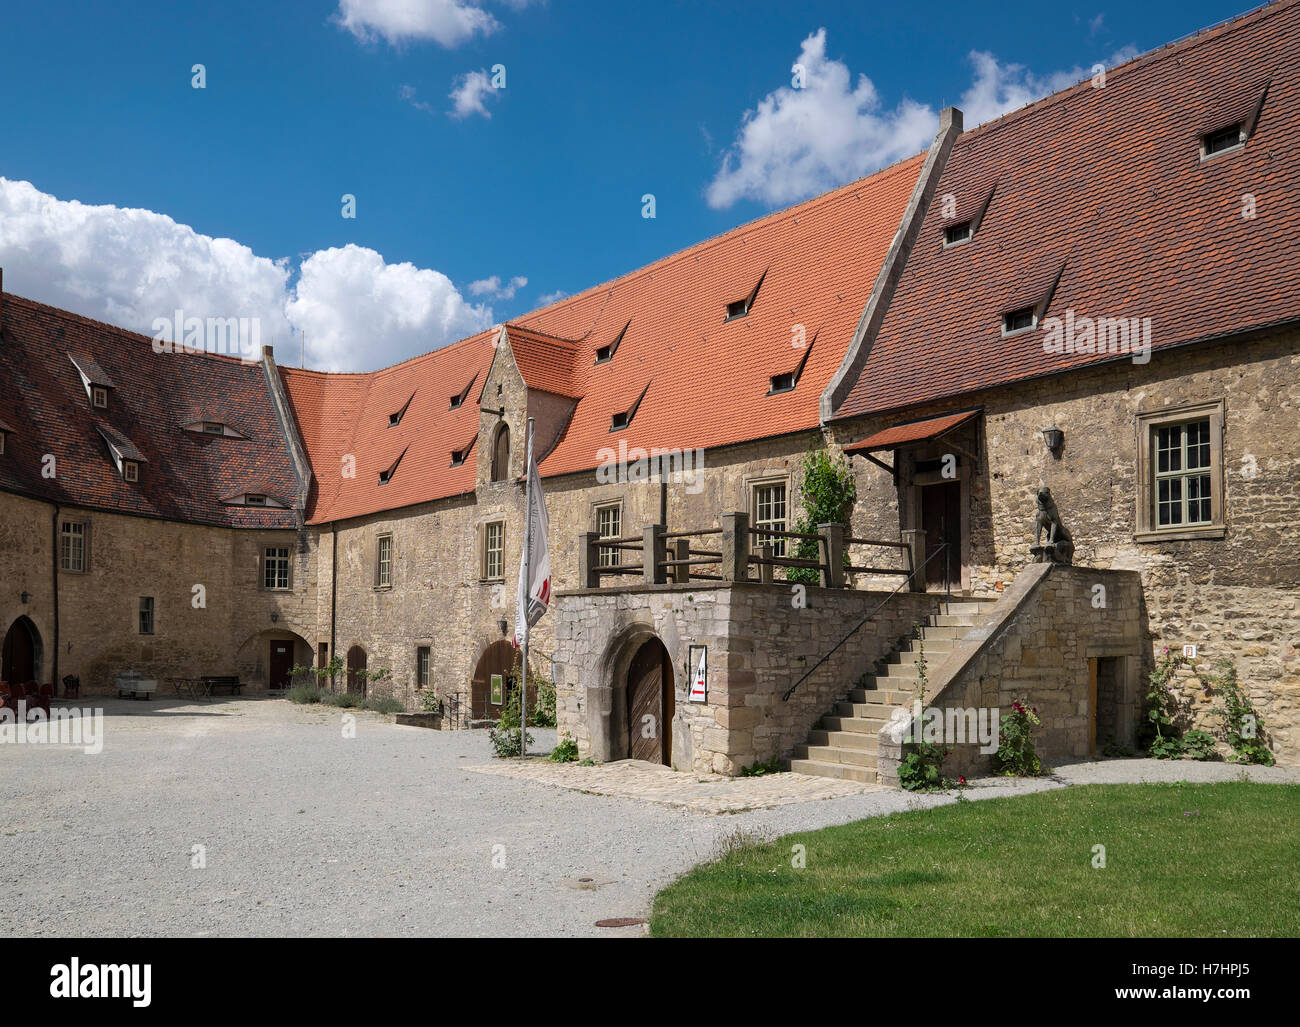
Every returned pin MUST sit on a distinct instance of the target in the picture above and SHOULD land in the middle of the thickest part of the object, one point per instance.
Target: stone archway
(356, 663)
(22, 653)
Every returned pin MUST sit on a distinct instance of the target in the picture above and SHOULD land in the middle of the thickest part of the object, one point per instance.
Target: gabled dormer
(94, 380)
(126, 457)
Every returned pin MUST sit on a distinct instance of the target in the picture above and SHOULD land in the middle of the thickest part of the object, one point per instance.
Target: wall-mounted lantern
(1054, 438)
(25, 596)
(504, 625)
(275, 616)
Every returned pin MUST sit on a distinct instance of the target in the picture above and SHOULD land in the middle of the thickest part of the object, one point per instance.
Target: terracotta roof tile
(1109, 179)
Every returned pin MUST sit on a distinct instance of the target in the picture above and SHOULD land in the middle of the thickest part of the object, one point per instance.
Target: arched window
(501, 454)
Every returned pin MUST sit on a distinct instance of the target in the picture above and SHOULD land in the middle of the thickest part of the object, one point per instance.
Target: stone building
(937, 324)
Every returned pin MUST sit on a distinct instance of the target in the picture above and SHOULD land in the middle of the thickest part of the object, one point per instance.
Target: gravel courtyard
(391, 833)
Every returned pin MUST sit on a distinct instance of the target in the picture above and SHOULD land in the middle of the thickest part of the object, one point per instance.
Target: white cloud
(798, 142)
(408, 94)
(446, 22)
(547, 298)
(361, 313)
(468, 92)
(129, 267)
(493, 289)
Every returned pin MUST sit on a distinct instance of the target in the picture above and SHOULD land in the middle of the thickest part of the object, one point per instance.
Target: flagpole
(528, 575)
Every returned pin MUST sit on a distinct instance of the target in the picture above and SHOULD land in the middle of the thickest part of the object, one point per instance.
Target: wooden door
(650, 705)
(497, 660)
(356, 662)
(18, 660)
(941, 522)
(280, 664)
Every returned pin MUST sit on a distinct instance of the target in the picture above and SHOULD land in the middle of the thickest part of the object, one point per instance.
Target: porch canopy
(912, 433)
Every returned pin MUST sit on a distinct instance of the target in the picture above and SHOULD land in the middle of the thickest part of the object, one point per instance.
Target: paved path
(305, 832)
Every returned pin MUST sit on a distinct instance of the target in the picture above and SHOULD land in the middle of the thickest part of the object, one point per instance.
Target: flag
(534, 560)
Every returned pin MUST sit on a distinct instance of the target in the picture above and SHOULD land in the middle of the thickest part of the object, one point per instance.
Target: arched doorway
(495, 677)
(650, 704)
(356, 662)
(501, 454)
(20, 659)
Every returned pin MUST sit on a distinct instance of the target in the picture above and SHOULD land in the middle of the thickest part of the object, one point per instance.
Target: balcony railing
(732, 552)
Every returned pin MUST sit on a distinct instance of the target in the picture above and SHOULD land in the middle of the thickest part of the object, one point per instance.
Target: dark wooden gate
(18, 660)
(650, 704)
(280, 663)
(356, 662)
(941, 522)
(498, 658)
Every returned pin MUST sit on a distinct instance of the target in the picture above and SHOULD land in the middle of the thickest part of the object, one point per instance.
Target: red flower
(961, 780)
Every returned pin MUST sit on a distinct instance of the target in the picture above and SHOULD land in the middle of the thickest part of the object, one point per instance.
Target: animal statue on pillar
(1060, 543)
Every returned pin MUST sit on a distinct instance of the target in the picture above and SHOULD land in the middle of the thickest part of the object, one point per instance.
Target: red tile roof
(709, 380)
(1109, 182)
(916, 431)
(45, 402)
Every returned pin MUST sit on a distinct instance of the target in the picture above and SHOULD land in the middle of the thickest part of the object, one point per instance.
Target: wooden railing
(731, 552)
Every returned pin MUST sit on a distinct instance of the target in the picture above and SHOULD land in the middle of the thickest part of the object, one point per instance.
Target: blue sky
(603, 102)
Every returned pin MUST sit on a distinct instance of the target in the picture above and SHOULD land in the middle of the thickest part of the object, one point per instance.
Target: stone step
(948, 620)
(842, 771)
(864, 711)
(853, 725)
(967, 608)
(947, 633)
(837, 754)
(844, 739)
(933, 654)
(894, 672)
(888, 697)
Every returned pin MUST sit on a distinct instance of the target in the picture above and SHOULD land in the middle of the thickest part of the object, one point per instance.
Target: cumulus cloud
(131, 267)
(468, 93)
(408, 94)
(831, 129)
(445, 22)
(547, 298)
(493, 289)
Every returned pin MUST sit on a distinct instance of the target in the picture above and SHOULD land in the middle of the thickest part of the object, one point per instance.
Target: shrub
(1199, 745)
(565, 751)
(347, 700)
(304, 694)
(759, 768)
(384, 704)
(507, 738)
(829, 492)
(431, 701)
(1166, 748)
(543, 712)
(1016, 756)
(1163, 705)
(1242, 728)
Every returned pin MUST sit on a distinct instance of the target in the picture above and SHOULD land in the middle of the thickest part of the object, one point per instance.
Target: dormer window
(787, 380)
(130, 470)
(254, 499)
(458, 400)
(782, 382)
(1019, 320)
(1222, 140)
(623, 418)
(606, 352)
(396, 418)
(99, 397)
(955, 234)
(213, 428)
(3, 435)
(386, 476)
(737, 309)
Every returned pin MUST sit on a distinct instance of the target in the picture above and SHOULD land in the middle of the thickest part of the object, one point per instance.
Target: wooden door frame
(910, 484)
(667, 699)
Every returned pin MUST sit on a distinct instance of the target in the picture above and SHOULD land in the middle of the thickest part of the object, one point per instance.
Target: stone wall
(760, 643)
(1238, 596)
(1042, 633)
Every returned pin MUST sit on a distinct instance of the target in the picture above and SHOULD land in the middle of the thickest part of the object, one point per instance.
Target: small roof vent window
(1235, 117)
(254, 499)
(959, 233)
(396, 419)
(458, 400)
(787, 380)
(606, 352)
(386, 476)
(741, 308)
(1019, 320)
(130, 470)
(624, 418)
(213, 428)
(99, 397)
(1222, 140)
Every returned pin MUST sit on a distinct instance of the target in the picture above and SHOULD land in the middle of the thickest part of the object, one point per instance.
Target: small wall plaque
(697, 667)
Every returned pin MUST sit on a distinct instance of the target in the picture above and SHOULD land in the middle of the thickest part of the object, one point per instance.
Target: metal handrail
(831, 652)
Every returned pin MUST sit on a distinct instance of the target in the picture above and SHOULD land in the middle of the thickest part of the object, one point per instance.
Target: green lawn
(1218, 860)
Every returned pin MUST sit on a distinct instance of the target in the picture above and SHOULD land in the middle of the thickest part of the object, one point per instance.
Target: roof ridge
(1160, 53)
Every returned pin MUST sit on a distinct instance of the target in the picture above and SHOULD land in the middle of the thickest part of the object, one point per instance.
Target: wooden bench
(214, 683)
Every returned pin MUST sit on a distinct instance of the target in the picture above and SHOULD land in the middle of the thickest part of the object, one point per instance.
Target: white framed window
(72, 546)
(1232, 137)
(384, 561)
(99, 397)
(213, 428)
(1021, 320)
(609, 524)
(275, 568)
(130, 470)
(494, 550)
(768, 509)
(1180, 472)
(422, 667)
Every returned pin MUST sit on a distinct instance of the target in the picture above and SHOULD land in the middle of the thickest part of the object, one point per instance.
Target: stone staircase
(843, 745)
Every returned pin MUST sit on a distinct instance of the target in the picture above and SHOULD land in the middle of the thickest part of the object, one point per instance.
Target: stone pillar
(588, 559)
(653, 553)
(735, 545)
(915, 539)
(832, 575)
